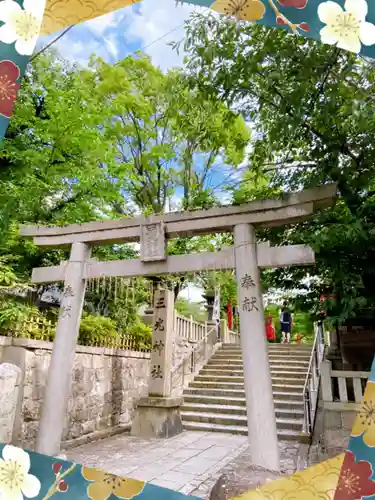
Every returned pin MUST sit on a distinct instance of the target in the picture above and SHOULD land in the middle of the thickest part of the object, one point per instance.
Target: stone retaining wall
(333, 426)
(106, 383)
(10, 377)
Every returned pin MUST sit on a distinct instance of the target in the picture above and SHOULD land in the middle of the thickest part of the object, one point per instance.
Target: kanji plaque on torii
(246, 256)
(153, 242)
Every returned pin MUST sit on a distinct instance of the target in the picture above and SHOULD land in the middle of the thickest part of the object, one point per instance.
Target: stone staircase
(215, 400)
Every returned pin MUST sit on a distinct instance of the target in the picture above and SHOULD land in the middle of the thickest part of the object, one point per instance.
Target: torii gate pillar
(64, 346)
(261, 419)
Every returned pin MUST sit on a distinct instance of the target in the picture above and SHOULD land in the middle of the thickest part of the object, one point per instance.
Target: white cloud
(111, 46)
(154, 21)
(101, 24)
(147, 26)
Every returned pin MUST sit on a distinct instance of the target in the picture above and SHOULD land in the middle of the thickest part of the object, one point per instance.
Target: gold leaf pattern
(318, 482)
(60, 14)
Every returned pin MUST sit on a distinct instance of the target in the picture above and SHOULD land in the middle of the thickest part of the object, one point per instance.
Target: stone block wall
(106, 383)
(10, 376)
(333, 427)
(337, 424)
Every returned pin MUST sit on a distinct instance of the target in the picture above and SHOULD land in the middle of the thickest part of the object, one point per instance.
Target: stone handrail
(312, 381)
(194, 360)
(188, 328)
(342, 386)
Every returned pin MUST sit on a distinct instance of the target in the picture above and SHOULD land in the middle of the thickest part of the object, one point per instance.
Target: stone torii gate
(246, 256)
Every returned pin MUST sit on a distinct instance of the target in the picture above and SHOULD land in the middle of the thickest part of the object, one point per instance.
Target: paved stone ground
(190, 462)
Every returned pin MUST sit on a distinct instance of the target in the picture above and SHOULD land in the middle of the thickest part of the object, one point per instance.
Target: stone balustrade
(341, 396)
(342, 387)
(188, 328)
(195, 357)
(234, 337)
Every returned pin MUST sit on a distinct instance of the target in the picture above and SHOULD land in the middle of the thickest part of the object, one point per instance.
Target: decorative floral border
(346, 27)
(20, 23)
(26, 474)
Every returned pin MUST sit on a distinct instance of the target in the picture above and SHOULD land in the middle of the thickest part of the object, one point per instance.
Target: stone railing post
(224, 332)
(326, 380)
(205, 348)
(60, 370)
(158, 415)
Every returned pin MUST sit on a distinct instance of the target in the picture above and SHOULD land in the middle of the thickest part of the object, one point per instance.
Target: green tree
(158, 126)
(312, 114)
(187, 308)
(98, 144)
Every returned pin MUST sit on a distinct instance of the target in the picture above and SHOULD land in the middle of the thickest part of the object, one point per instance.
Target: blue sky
(120, 33)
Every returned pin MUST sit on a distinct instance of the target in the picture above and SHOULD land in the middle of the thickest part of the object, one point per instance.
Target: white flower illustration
(21, 25)
(347, 28)
(15, 480)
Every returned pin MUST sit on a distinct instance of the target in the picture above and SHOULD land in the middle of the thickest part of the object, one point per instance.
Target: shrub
(142, 334)
(14, 316)
(99, 330)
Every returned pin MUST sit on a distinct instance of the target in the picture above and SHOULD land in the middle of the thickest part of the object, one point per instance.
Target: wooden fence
(41, 328)
(36, 327)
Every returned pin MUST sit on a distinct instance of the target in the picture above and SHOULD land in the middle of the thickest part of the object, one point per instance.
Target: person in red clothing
(270, 329)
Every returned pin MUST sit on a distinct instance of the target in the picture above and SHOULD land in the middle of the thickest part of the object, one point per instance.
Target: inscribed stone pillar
(258, 384)
(162, 344)
(158, 415)
(60, 370)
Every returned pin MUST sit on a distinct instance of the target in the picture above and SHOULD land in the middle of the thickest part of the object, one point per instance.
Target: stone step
(225, 419)
(283, 434)
(238, 362)
(226, 372)
(297, 347)
(271, 349)
(272, 359)
(238, 385)
(284, 352)
(280, 359)
(296, 405)
(273, 367)
(237, 410)
(238, 393)
(276, 379)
